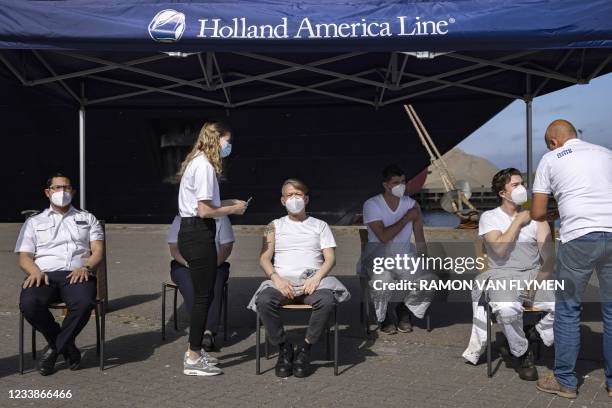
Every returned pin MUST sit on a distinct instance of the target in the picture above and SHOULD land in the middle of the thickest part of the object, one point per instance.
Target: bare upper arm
(378, 229)
(539, 205)
(96, 246)
(329, 253)
(492, 237)
(267, 241)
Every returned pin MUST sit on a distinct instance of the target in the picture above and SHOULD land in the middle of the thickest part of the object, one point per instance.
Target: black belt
(196, 220)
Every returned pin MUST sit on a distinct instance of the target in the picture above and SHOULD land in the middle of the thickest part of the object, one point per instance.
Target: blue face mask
(226, 150)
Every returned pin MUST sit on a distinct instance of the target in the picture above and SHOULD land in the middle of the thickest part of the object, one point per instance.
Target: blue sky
(586, 106)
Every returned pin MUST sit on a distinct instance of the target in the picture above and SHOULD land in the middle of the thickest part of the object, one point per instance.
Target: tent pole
(528, 117)
(82, 157)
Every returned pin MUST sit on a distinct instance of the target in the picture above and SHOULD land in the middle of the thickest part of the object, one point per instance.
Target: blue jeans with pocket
(576, 261)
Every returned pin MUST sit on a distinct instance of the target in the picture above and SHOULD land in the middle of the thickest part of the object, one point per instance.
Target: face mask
(295, 204)
(61, 198)
(519, 195)
(399, 190)
(226, 150)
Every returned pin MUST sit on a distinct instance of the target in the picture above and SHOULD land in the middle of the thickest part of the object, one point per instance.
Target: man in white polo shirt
(579, 175)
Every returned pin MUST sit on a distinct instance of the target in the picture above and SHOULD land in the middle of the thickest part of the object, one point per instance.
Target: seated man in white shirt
(392, 218)
(303, 249)
(180, 275)
(518, 249)
(59, 250)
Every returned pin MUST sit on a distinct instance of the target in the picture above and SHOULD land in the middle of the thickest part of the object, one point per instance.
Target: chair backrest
(101, 276)
(480, 251)
(363, 237)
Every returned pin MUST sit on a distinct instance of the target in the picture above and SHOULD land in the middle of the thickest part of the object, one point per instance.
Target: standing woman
(199, 205)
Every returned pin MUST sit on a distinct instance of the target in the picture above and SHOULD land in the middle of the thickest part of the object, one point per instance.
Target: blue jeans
(576, 261)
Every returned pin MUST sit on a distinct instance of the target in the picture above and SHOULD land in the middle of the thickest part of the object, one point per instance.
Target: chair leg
(257, 343)
(98, 328)
(366, 309)
(21, 318)
(163, 312)
(489, 345)
(33, 343)
(335, 339)
(428, 320)
(102, 332)
(327, 343)
(225, 312)
(266, 344)
(175, 309)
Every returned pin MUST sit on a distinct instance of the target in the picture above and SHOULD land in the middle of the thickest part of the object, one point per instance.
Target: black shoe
(301, 364)
(208, 342)
(46, 364)
(388, 327)
(284, 365)
(532, 334)
(527, 370)
(404, 325)
(72, 356)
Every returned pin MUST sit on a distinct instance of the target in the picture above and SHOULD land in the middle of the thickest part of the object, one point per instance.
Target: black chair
(485, 302)
(297, 307)
(169, 285)
(100, 313)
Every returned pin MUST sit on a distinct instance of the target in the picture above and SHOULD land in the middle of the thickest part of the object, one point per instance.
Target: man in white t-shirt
(181, 276)
(392, 218)
(518, 249)
(303, 251)
(579, 175)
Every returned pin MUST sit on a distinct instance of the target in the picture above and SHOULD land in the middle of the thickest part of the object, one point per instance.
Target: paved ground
(419, 369)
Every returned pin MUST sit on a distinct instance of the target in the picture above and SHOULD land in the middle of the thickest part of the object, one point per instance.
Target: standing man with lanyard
(579, 175)
(199, 205)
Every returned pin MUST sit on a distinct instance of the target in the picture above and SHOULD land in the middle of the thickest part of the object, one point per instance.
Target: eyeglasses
(59, 187)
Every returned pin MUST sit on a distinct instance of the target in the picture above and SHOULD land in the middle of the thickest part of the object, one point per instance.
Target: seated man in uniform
(303, 249)
(520, 249)
(179, 272)
(59, 250)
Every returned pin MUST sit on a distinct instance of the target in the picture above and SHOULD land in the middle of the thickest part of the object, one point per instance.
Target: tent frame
(393, 78)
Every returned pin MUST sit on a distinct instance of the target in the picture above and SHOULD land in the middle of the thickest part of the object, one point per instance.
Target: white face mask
(61, 198)
(399, 190)
(295, 204)
(519, 195)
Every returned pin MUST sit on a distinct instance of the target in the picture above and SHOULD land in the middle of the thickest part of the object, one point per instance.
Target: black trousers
(79, 298)
(270, 301)
(182, 277)
(196, 243)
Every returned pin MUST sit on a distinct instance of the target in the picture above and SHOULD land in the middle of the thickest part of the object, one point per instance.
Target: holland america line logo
(167, 26)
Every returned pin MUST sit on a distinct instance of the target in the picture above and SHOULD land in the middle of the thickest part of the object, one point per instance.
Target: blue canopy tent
(458, 62)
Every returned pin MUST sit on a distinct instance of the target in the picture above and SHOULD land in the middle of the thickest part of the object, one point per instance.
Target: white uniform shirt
(376, 209)
(199, 182)
(298, 245)
(224, 233)
(59, 242)
(525, 254)
(579, 175)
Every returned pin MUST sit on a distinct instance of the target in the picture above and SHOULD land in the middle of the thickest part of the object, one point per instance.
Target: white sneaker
(200, 368)
(209, 359)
